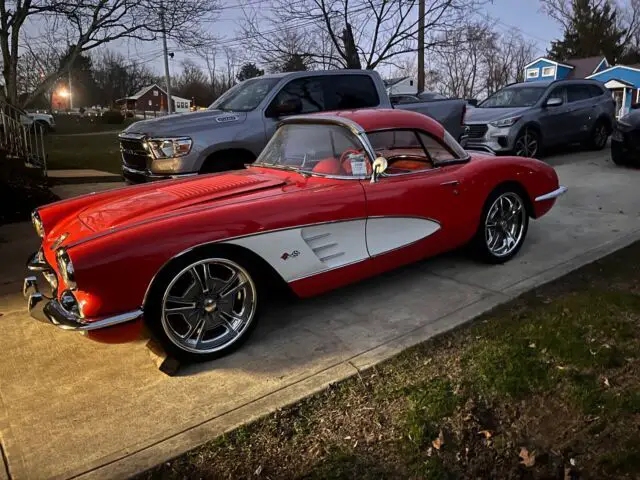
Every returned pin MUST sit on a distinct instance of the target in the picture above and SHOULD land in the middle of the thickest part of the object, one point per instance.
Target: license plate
(617, 136)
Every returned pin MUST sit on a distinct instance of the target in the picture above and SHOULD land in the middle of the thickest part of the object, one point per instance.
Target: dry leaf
(486, 433)
(606, 382)
(528, 459)
(438, 442)
(532, 345)
(258, 471)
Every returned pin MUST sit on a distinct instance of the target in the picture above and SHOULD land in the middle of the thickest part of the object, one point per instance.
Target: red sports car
(331, 200)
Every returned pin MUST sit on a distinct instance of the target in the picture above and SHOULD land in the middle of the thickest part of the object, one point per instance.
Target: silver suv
(525, 118)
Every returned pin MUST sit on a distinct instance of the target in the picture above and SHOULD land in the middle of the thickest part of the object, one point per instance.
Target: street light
(63, 93)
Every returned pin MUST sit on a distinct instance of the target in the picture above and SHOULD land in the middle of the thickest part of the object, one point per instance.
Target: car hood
(178, 197)
(486, 115)
(186, 123)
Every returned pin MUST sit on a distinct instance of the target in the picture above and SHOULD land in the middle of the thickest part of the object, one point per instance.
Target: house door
(618, 97)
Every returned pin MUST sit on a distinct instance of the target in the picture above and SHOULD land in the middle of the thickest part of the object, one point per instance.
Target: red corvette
(331, 200)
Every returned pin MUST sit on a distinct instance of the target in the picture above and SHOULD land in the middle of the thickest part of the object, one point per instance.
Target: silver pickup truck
(237, 126)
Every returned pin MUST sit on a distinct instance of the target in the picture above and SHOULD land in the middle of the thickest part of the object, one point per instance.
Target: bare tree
(81, 25)
(377, 30)
(116, 77)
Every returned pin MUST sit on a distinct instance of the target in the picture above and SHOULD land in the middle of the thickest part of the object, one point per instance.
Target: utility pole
(167, 77)
(420, 46)
(70, 91)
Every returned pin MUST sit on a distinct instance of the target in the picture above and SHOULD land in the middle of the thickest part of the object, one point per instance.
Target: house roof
(635, 67)
(548, 60)
(583, 67)
(390, 82)
(623, 82)
(144, 90)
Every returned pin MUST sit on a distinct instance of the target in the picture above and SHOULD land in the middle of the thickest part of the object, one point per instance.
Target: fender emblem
(286, 256)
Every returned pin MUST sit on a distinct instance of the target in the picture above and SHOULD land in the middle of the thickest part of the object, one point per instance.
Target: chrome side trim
(555, 194)
(148, 174)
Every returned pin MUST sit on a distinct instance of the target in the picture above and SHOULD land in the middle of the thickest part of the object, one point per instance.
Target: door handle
(452, 183)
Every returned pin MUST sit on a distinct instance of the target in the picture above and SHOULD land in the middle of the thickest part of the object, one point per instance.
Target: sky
(523, 15)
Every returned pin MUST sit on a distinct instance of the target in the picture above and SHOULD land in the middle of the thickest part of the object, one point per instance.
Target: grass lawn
(69, 124)
(99, 152)
(545, 387)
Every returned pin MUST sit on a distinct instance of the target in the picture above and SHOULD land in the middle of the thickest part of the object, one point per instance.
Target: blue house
(624, 83)
(546, 69)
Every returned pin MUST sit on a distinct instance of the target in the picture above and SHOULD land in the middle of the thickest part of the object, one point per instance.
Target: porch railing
(22, 138)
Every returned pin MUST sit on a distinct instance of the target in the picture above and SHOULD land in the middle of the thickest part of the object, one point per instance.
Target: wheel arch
(533, 125)
(245, 257)
(607, 121)
(519, 188)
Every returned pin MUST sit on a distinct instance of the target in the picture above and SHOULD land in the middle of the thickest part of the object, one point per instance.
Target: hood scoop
(169, 197)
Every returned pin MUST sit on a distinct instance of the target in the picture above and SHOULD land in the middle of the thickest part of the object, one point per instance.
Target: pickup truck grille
(475, 130)
(134, 154)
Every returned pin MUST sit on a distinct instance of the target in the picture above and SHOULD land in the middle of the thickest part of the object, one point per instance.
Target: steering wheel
(349, 151)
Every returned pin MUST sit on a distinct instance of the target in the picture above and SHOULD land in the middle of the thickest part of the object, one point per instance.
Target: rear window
(595, 90)
(575, 93)
(346, 92)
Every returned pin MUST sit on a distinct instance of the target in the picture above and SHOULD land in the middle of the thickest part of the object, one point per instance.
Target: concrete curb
(157, 450)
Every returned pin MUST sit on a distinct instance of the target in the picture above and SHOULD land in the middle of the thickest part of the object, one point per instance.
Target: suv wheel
(599, 135)
(527, 143)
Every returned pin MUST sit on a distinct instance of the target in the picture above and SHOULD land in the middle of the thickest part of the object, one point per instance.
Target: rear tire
(204, 306)
(503, 226)
(598, 136)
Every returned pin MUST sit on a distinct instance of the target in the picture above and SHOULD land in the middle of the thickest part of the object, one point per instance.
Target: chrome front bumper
(561, 190)
(141, 176)
(50, 310)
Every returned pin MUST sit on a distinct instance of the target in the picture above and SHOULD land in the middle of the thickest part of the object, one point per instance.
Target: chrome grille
(475, 130)
(133, 153)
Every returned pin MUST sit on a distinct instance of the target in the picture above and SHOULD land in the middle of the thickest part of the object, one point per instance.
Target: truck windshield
(514, 97)
(245, 96)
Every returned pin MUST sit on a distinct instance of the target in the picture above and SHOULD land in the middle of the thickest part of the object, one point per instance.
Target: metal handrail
(20, 140)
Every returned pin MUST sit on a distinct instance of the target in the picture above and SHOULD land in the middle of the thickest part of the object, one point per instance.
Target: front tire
(527, 143)
(503, 226)
(203, 307)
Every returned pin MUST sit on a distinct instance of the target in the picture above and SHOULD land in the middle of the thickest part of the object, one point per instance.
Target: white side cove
(390, 233)
(302, 252)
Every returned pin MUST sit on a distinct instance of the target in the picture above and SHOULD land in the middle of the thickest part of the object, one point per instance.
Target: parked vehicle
(332, 199)
(237, 126)
(625, 139)
(44, 121)
(525, 118)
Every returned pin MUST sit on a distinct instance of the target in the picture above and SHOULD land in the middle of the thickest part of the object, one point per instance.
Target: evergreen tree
(249, 70)
(294, 63)
(592, 31)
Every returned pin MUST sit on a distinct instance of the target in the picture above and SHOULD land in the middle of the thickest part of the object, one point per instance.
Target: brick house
(153, 98)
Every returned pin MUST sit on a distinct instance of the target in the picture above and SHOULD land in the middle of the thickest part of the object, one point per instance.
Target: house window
(150, 103)
(155, 93)
(548, 71)
(411, 83)
(532, 73)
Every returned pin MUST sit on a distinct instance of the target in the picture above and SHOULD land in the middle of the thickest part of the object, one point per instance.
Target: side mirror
(291, 106)
(379, 166)
(553, 102)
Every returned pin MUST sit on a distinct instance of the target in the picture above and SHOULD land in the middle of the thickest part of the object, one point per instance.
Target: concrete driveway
(73, 408)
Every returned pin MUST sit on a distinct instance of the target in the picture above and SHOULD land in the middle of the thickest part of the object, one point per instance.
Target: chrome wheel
(505, 224)
(527, 144)
(208, 306)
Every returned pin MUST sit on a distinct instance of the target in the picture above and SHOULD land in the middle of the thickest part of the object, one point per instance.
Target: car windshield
(318, 149)
(514, 97)
(245, 96)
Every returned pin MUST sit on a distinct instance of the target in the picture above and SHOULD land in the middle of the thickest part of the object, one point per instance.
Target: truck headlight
(169, 147)
(66, 268)
(37, 223)
(505, 122)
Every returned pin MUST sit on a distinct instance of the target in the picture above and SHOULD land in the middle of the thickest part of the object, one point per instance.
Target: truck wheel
(224, 162)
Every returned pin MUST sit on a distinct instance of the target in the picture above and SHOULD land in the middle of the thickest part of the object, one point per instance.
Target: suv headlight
(169, 147)
(37, 223)
(505, 122)
(66, 268)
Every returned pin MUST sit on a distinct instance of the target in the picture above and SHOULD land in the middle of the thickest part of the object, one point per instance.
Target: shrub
(112, 117)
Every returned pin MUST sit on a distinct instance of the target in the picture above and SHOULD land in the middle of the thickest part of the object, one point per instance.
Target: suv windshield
(316, 149)
(517, 96)
(245, 96)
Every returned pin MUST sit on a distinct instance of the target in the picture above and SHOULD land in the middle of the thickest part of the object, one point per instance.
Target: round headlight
(37, 223)
(66, 268)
